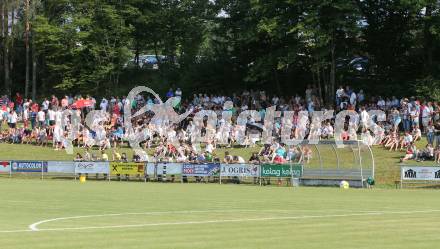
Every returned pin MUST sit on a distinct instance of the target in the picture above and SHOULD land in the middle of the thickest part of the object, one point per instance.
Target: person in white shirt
(51, 114)
(339, 94)
(178, 93)
(59, 116)
(364, 118)
(426, 116)
(238, 159)
(209, 148)
(57, 137)
(12, 119)
(406, 141)
(104, 104)
(353, 99)
(416, 133)
(25, 113)
(45, 105)
(366, 137)
(41, 118)
(381, 103)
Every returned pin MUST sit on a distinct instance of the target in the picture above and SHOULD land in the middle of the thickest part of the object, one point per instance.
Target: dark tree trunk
(2, 24)
(12, 44)
(26, 87)
(34, 69)
(136, 55)
(6, 49)
(34, 52)
(277, 81)
(428, 45)
(319, 86)
(331, 90)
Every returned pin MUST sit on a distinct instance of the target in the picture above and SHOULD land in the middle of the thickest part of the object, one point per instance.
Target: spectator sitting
(208, 156)
(104, 156)
(407, 140)
(116, 156)
(411, 153)
(238, 159)
(426, 154)
(124, 158)
(437, 154)
(228, 158)
(306, 154)
(254, 158)
(78, 157)
(293, 154)
(87, 156)
(417, 133)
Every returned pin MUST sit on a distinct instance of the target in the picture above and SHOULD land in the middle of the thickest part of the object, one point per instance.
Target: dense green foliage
(82, 46)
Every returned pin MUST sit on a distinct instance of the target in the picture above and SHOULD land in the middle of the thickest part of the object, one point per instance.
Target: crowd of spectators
(39, 123)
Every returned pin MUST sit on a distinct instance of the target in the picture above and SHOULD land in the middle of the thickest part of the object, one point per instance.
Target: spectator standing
(430, 133)
(41, 118)
(18, 102)
(170, 93)
(65, 102)
(104, 104)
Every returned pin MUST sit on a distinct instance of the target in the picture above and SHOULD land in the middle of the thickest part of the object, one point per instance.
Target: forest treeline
(83, 46)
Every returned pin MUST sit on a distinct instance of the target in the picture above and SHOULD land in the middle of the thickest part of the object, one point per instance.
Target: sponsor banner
(29, 166)
(281, 170)
(169, 168)
(60, 167)
(5, 167)
(208, 169)
(126, 168)
(91, 167)
(150, 169)
(421, 173)
(240, 170)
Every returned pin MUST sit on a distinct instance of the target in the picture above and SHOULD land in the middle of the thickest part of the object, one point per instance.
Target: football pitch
(97, 214)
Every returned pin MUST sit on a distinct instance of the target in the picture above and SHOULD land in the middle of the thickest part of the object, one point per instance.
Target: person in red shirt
(18, 102)
(11, 105)
(116, 110)
(34, 107)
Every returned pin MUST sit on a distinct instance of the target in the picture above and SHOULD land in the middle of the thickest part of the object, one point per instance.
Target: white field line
(16, 231)
(34, 227)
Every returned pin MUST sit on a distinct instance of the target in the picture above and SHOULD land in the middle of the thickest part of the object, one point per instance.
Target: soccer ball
(344, 185)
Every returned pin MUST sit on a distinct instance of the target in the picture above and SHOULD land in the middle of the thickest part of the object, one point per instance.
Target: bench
(332, 177)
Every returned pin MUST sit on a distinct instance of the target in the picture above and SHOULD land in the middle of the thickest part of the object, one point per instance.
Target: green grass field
(154, 215)
(387, 163)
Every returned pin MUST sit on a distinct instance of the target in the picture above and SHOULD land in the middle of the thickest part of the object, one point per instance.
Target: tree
(84, 46)
(6, 44)
(225, 45)
(27, 31)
